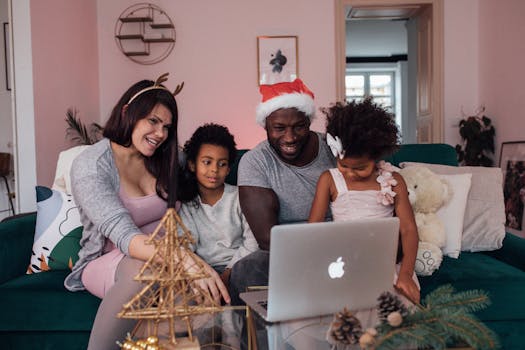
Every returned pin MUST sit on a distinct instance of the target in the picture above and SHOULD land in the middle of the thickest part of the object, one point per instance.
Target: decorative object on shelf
(276, 59)
(145, 33)
(78, 133)
(443, 319)
(169, 294)
(477, 134)
(512, 164)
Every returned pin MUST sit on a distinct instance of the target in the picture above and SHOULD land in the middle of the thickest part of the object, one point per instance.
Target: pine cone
(388, 303)
(346, 328)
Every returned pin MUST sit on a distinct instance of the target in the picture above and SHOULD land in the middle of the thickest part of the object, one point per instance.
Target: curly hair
(365, 128)
(211, 134)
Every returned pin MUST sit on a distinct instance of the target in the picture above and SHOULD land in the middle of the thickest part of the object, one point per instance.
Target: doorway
(21, 116)
(7, 183)
(426, 17)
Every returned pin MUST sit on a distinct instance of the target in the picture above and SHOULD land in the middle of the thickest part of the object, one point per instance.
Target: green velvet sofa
(37, 312)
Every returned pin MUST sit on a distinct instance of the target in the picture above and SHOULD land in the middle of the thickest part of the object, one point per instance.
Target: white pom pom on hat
(285, 95)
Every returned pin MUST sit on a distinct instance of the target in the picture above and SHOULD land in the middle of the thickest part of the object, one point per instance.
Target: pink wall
(461, 64)
(501, 73)
(65, 67)
(215, 55)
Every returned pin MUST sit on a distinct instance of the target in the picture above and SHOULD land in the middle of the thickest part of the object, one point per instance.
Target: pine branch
(467, 301)
(444, 319)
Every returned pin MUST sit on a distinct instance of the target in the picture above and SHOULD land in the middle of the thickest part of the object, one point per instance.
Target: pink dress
(351, 205)
(99, 275)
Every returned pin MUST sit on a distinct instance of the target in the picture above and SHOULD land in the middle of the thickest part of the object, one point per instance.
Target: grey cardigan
(95, 185)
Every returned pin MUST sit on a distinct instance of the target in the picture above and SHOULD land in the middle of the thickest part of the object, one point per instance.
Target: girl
(120, 185)
(362, 186)
(210, 208)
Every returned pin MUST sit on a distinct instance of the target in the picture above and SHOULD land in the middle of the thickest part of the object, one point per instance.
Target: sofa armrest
(16, 237)
(512, 252)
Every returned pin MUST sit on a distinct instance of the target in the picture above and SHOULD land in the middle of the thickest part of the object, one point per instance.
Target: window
(378, 84)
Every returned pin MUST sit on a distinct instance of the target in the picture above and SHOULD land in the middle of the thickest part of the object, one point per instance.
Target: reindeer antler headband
(158, 86)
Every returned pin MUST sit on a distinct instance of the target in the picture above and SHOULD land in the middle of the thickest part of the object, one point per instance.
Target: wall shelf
(144, 33)
(161, 25)
(135, 19)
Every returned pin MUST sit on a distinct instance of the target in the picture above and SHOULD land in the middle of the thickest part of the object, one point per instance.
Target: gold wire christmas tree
(169, 293)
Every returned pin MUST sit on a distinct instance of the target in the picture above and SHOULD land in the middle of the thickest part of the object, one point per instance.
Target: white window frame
(368, 69)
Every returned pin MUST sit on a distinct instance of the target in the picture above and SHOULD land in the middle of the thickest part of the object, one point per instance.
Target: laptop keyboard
(263, 303)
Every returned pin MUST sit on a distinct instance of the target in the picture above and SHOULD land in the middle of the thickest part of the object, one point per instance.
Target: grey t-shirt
(293, 185)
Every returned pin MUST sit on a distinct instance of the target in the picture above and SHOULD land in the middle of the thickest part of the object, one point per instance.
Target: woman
(121, 186)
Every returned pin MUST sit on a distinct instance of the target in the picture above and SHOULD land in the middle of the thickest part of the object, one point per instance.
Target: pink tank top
(351, 205)
(146, 212)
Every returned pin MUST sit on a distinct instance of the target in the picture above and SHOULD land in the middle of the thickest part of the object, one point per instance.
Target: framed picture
(6, 56)
(512, 164)
(276, 59)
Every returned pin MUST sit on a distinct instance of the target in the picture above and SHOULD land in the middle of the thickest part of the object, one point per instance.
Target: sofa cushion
(484, 224)
(57, 233)
(504, 284)
(53, 308)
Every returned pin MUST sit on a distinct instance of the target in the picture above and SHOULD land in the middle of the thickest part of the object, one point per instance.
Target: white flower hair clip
(335, 145)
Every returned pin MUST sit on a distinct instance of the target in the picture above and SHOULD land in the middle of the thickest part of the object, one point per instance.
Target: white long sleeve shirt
(221, 233)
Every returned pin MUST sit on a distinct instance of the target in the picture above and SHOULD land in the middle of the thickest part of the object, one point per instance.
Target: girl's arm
(248, 245)
(321, 198)
(409, 240)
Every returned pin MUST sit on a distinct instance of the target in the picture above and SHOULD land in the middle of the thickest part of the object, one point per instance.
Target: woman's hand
(407, 287)
(213, 284)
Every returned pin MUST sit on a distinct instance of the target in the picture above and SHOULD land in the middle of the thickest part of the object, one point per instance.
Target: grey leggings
(108, 328)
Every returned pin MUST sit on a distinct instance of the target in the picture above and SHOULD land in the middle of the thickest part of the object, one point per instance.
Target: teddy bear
(427, 192)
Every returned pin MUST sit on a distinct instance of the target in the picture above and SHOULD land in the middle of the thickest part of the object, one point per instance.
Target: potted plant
(477, 134)
(78, 133)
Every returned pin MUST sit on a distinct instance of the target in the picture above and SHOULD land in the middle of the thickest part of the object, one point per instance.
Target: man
(277, 179)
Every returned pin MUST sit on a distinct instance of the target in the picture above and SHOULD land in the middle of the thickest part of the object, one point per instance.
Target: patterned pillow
(57, 233)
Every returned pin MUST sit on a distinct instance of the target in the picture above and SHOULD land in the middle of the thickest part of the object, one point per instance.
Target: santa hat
(285, 95)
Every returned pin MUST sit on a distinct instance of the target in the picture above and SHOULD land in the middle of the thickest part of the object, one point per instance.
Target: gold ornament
(142, 343)
(394, 319)
(170, 292)
(153, 340)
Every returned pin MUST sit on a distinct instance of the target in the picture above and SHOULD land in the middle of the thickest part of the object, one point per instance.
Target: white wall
(6, 125)
(376, 38)
(24, 147)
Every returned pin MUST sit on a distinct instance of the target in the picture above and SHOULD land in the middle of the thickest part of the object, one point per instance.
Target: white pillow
(484, 223)
(453, 213)
(57, 233)
(62, 180)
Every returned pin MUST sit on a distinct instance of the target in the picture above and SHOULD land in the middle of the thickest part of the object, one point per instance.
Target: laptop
(319, 268)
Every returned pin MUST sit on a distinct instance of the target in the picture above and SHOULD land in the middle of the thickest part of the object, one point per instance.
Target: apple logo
(335, 269)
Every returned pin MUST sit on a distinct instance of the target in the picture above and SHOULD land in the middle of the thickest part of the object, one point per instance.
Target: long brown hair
(163, 164)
